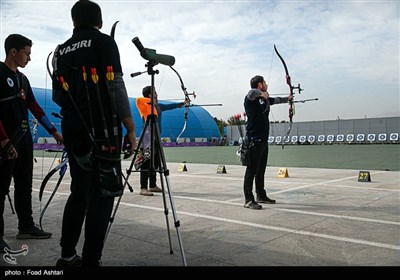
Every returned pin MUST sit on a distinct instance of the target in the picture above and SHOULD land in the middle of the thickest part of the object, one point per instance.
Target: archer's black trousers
(256, 171)
(21, 170)
(85, 204)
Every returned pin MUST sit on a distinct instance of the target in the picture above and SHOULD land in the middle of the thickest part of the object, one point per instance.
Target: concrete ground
(322, 218)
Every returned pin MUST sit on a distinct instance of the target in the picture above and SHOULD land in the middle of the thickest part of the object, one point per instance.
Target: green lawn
(359, 157)
(369, 157)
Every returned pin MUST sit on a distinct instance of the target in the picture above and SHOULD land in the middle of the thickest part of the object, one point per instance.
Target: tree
(236, 120)
(221, 124)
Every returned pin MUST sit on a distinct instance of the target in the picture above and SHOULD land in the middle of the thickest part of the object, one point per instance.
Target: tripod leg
(128, 172)
(164, 170)
(166, 211)
(11, 205)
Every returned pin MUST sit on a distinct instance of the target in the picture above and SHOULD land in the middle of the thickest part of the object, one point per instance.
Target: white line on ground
(293, 231)
(320, 183)
(301, 232)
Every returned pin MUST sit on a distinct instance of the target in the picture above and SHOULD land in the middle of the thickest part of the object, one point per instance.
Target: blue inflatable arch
(200, 124)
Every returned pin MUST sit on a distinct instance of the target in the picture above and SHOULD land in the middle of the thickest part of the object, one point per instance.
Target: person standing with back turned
(16, 98)
(257, 106)
(88, 86)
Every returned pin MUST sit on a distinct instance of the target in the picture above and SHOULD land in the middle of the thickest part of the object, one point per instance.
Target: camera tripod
(156, 150)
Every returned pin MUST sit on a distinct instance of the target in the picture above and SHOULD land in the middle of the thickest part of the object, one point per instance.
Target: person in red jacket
(16, 99)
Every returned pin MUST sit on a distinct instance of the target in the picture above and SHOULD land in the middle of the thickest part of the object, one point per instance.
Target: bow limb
(187, 98)
(48, 65)
(291, 93)
(187, 102)
(50, 198)
(62, 167)
(289, 83)
(183, 129)
(112, 33)
(46, 179)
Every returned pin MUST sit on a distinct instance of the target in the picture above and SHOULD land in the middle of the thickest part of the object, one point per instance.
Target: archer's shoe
(155, 189)
(91, 263)
(33, 233)
(252, 205)
(265, 199)
(145, 192)
(3, 245)
(74, 261)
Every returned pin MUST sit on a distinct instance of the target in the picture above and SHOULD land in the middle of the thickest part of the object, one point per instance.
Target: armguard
(47, 124)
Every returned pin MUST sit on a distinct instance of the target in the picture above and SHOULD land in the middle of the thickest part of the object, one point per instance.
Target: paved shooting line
(301, 232)
(282, 229)
(322, 183)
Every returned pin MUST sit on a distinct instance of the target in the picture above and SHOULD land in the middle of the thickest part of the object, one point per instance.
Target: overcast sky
(346, 53)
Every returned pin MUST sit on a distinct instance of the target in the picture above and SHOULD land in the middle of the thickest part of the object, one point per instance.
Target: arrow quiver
(99, 157)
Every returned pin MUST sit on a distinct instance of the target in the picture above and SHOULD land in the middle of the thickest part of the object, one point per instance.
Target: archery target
(350, 137)
(184, 140)
(394, 137)
(321, 138)
(340, 138)
(330, 138)
(382, 137)
(271, 139)
(371, 137)
(360, 137)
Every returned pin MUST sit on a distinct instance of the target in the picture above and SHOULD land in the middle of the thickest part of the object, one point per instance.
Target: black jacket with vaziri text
(92, 52)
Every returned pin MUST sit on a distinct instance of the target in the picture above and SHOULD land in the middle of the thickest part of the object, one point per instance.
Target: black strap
(12, 97)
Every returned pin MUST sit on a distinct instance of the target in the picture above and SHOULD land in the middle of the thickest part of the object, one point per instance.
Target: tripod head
(150, 64)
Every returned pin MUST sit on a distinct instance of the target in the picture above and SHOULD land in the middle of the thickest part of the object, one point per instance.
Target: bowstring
(162, 78)
(45, 106)
(269, 77)
(43, 132)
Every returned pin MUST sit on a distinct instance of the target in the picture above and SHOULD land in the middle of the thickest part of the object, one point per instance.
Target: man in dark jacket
(257, 106)
(88, 85)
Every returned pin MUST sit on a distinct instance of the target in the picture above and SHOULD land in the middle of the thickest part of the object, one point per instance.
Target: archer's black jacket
(257, 111)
